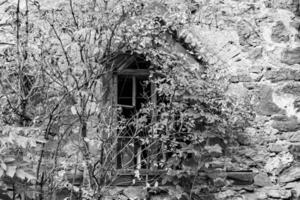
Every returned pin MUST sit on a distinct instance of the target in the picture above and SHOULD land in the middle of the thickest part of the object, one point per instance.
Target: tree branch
(73, 14)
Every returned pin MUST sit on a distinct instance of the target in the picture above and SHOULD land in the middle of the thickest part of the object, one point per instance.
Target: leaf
(166, 179)
(91, 107)
(11, 170)
(76, 189)
(24, 175)
(20, 173)
(21, 141)
(10, 194)
(41, 140)
(9, 160)
(1, 172)
(73, 110)
(214, 149)
(3, 166)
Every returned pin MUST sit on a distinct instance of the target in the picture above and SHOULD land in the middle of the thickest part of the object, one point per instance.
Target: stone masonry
(257, 44)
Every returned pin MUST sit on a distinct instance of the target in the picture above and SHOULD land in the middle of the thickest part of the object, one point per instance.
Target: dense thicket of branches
(56, 123)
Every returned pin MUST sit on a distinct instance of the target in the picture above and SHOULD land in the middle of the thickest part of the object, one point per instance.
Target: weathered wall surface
(257, 43)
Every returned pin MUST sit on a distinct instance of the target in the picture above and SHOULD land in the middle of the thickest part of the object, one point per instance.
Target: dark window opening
(133, 90)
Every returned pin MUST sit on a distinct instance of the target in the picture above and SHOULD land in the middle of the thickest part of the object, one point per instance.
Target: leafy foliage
(57, 125)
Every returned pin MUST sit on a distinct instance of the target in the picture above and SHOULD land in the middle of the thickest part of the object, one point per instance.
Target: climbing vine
(57, 125)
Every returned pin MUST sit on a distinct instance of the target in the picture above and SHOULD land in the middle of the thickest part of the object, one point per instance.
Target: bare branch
(73, 14)
(3, 2)
(61, 43)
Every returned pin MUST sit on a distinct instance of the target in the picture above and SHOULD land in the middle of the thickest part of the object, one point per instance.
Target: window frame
(133, 73)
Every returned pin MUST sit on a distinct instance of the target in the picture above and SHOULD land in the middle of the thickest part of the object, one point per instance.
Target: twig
(61, 44)
(14, 192)
(43, 146)
(22, 101)
(73, 14)
(74, 175)
(18, 30)
(3, 2)
(6, 43)
(27, 30)
(113, 31)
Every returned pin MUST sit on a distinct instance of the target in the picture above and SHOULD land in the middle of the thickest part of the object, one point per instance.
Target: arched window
(132, 89)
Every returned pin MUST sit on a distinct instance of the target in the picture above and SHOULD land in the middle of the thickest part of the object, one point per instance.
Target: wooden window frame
(133, 73)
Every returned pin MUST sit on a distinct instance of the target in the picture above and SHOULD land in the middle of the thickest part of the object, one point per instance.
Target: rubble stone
(292, 174)
(257, 43)
(291, 88)
(262, 180)
(291, 56)
(295, 150)
(240, 78)
(283, 74)
(275, 165)
(277, 148)
(286, 124)
(295, 188)
(264, 102)
(279, 193)
(295, 137)
(247, 35)
(280, 33)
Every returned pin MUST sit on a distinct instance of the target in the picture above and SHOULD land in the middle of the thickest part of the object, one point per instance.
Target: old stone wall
(257, 43)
